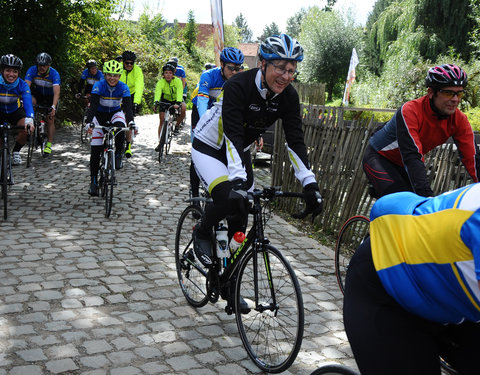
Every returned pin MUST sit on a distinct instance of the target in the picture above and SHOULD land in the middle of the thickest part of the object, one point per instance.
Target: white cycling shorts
(97, 133)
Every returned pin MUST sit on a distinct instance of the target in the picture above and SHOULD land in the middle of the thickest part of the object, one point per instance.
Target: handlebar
(42, 108)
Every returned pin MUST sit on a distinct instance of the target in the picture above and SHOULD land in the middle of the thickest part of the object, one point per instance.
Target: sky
(258, 13)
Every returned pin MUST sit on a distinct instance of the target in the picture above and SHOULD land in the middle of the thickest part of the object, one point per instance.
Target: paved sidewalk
(81, 294)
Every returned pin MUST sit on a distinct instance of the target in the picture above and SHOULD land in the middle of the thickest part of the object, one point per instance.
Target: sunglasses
(450, 94)
(128, 62)
(234, 68)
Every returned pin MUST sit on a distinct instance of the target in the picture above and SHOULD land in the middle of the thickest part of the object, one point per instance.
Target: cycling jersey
(42, 85)
(180, 72)
(107, 99)
(134, 81)
(13, 94)
(426, 252)
(171, 91)
(415, 130)
(89, 79)
(209, 88)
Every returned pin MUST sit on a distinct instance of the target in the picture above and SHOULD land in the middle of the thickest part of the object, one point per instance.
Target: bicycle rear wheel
(353, 233)
(192, 275)
(334, 370)
(272, 331)
(109, 182)
(5, 181)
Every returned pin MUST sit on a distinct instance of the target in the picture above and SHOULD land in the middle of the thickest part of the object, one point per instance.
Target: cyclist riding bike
(412, 290)
(207, 90)
(252, 101)
(44, 82)
(90, 76)
(13, 92)
(180, 73)
(106, 101)
(132, 75)
(394, 158)
(169, 90)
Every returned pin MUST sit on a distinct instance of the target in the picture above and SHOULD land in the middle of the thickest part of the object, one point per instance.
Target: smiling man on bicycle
(105, 107)
(13, 91)
(169, 90)
(252, 101)
(412, 290)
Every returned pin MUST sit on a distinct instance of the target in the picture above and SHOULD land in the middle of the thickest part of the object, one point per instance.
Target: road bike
(38, 139)
(6, 175)
(107, 178)
(168, 128)
(258, 274)
(353, 232)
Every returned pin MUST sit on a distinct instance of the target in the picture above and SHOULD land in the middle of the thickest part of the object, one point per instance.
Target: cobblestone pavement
(81, 294)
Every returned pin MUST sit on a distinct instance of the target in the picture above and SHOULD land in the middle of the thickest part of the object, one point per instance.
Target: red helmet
(446, 75)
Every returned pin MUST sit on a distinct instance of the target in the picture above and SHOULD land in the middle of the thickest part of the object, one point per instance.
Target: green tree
(190, 33)
(328, 41)
(294, 23)
(245, 32)
(269, 30)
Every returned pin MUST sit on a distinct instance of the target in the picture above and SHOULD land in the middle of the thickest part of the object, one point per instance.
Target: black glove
(238, 198)
(313, 199)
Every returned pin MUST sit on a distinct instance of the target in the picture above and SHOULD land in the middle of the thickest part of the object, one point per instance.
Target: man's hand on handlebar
(313, 201)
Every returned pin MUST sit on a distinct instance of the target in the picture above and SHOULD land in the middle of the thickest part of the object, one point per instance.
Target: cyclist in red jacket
(394, 159)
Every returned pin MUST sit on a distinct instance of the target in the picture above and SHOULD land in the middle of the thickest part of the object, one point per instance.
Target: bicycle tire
(271, 332)
(31, 146)
(351, 235)
(83, 135)
(334, 369)
(168, 144)
(447, 368)
(5, 182)
(192, 275)
(101, 181)
(162, 143)
(109, 182)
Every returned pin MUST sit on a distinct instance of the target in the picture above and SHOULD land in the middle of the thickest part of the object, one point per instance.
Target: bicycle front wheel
(162, 142)
(109, 182)
(192, 275)
(272, 331)
(168, 142)
(353, 233)
(5, 181)
(31, 145)
(334, 370)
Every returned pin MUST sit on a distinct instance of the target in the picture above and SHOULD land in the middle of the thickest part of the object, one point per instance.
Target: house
(250, 51)
(205, 31)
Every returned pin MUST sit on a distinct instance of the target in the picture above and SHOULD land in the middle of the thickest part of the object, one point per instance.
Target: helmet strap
(264, 80)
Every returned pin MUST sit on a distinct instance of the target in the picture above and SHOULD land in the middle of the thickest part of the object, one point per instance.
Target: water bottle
(236, 241)
(222, 241)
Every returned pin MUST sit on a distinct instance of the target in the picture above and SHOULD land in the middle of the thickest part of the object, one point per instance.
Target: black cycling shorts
(14, 117)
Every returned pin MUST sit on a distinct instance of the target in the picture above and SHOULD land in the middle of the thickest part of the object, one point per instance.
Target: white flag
(350, 77)
(217, 22)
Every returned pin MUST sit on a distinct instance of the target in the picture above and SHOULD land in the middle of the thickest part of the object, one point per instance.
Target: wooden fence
(335, 147)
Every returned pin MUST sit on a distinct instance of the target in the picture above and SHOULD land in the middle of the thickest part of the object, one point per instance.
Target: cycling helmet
(129, 56)
(169, 67)
(232, 55)
(281, 47)
(175, 59)
(119, 58)
(172, 63)
(43, 59)
(113, 67)
(209, 66)
(90, 64)
(10, 61)
(446, 75)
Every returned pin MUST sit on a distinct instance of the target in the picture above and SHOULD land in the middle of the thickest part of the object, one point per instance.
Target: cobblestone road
(81, 294)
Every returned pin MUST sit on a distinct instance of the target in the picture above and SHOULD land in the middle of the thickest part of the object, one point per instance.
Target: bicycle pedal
(229, 310)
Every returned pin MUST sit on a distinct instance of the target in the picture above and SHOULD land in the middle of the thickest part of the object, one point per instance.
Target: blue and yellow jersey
(91, 79)
(110, 97)
(209, 88)
(42, 85)
(427, 252)
(13, 95)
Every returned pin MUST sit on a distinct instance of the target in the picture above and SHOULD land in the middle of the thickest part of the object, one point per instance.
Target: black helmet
(169, 67)
(174, 59)
(43, 59)
(446, 75)
(10, 61)
(172, 63)
(209, 66)
(129, 56)
(91, 64)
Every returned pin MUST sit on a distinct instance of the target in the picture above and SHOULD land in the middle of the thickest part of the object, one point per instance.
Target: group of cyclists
(412, 289)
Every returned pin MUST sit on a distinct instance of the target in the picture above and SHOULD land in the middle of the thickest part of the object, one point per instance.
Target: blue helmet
(232, 55)
(281, 47)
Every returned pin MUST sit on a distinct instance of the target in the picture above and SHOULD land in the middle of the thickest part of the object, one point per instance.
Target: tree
(328, 41)
(245, 32)
(294, 23)
(269, 30)
(190, 32)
